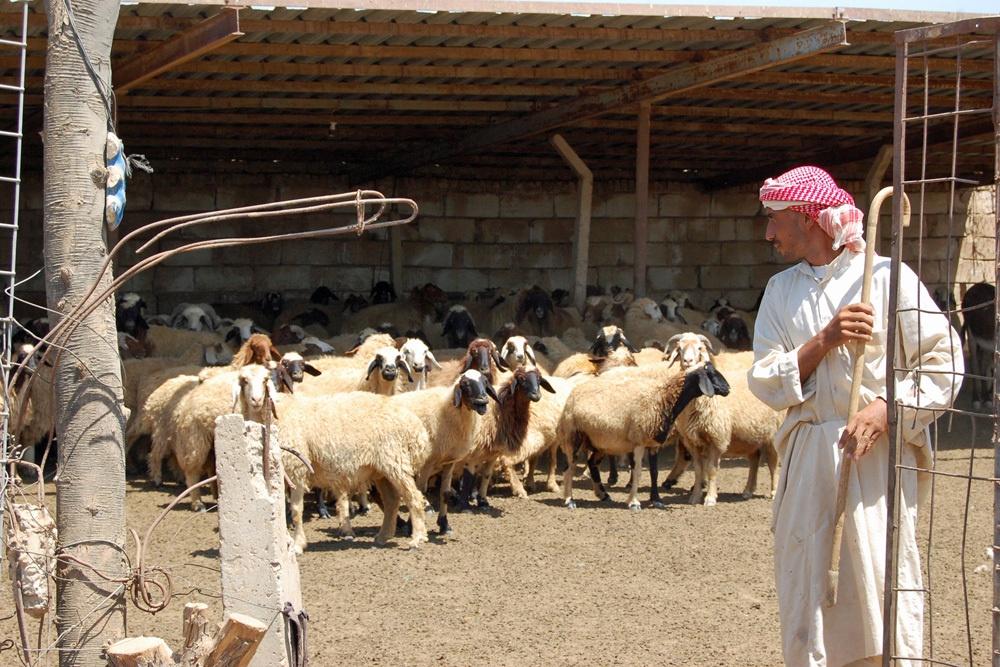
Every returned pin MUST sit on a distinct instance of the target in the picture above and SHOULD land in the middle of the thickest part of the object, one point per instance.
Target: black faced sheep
(979, 331)
(627, 411)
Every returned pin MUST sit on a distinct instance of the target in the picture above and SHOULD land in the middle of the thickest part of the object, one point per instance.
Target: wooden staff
(859, 367)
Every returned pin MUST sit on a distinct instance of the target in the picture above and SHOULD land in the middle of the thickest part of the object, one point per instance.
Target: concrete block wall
(473, 236)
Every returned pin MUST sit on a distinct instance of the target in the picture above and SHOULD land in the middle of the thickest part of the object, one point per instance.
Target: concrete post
(260, 574)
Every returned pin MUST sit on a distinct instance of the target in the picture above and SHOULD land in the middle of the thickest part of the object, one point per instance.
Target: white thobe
(797, 304)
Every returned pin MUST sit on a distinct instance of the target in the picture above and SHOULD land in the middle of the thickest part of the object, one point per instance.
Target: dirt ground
(532, 583)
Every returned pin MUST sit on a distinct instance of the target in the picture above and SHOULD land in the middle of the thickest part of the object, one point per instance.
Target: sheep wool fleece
(797, 304)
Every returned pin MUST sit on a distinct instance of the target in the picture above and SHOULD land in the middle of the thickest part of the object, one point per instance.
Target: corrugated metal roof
(393, 87)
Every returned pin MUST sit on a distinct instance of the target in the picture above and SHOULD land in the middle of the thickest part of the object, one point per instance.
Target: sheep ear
(286, 381)
(598, 346)
(501, 364)
(672, 357)
(492, 393)
(530, 354)
(406, 367)
(371, 367)
(458, 395)
(705, 384)
(207, 322)
(708, 343)
(472, 329)
(545, 384)
(179, 322)
(429, 357)
(237, 389)
(233, 333)
(312, 370)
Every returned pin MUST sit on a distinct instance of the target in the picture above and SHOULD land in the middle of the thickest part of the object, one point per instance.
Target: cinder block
(621, 276)
(277, 278)
(450, 230)
(746, 253)
(477, 256)
(751, 229)
(672, 230)
(190, 258)
(623, 206)
(245, 191)
(254, 255)
(552, 231)
(346, 279)
(546, 256)
(760, 275)
(363, 252)
(222, 279)
(472, 205)
(698, 254)
(504, 231)
(724, 277)
(169, 279)
(451, 280)
(733, 205)
(611, 230)
(684, 205)
(662, 279)
(138, 192)
(567, 205)
(525, 205)
(430, 254)
(703, 229)
(429, 206)
(183, 195)
(743, 298)
(322, 252)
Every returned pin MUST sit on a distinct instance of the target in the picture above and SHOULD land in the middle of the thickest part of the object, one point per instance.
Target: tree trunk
(89, 419)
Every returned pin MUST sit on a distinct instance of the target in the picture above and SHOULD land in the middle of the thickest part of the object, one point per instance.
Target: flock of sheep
(382, 400)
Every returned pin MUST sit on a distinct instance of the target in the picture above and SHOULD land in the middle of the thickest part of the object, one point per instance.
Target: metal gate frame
(952, 39)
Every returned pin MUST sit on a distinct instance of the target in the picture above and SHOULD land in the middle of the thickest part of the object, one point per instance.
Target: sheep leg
(442, 520)
(754, 466)
(390, 511)
(344, 513)
(550, 478)
(466, 487)
(680, 465)
(516, 488)
(321, 508)
(699, 475)
(485, 477)
(297, 503)
(190, 479)
(364, 505)
(406, 490)
(422, 480)
(774, 466)
(593, 465)
(612, 470)
(568, 475)
(633, 496)
(654, 473)
(711, 475)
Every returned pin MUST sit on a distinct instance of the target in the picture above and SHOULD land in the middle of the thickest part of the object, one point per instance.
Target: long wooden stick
(859, 368)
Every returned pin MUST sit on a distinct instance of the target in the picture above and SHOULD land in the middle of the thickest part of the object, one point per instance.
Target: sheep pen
(516, 585)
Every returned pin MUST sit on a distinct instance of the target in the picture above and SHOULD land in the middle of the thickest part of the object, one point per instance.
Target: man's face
(786, 232)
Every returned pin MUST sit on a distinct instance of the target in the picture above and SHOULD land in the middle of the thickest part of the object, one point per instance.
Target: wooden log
(140, 652)
(236, 642)
(197, 637)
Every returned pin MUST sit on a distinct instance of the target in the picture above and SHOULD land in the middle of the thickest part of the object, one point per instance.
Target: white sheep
(194, 317)
(712, 426)
(186, 346)
(350, 440)
(450, 415)
(385, 371)
(517, 352)
(420, 360)
(626, 411)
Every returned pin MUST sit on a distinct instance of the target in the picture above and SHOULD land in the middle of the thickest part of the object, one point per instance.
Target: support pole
(260, 574)
(641, 200)
(581, 234)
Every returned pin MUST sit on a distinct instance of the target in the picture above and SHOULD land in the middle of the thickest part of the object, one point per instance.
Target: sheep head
(529, 381)
(193, 317)
(516, 352)
(690, 349)
(257, 349)
(323, 295)
(418, 355)
(254, 392)
(296, 367)
(473, 389)
(703, 380)
(609, 339)
(243, 328)
(129, 312)
(459, 328)
(272, 304)
(481, 354)
(388, 360)
(382, 292)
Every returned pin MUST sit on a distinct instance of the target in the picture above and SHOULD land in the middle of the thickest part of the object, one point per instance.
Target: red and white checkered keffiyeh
(812, 191)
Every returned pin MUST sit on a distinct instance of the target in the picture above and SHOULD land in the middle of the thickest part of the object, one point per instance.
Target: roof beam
(680, 80)
(865, 151)
(199, 39)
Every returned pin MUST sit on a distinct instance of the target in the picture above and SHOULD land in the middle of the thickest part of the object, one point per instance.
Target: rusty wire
(360, 200)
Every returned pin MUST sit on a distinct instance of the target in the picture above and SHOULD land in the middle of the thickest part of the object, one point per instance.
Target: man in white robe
(806, 327)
